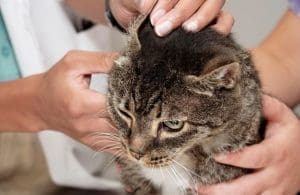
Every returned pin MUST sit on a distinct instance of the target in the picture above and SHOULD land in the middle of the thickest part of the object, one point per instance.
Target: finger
(174, 18)
(249, 184)
(160, 9)
(253, 157)
(274, 110)
(83, 62)
(224, 23)
(207, 12)
(145, 6)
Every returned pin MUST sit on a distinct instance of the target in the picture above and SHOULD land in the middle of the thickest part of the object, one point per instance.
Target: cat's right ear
(134, 44)
(225, 77)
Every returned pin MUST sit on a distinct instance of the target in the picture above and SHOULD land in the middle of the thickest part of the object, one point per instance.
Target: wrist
(19, 107)
(276, 77)
(34, 95)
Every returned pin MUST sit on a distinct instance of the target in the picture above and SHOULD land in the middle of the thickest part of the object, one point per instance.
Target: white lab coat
(41, 33)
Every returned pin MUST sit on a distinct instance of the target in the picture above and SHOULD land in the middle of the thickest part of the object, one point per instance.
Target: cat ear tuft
(222, 77)
(133, 41)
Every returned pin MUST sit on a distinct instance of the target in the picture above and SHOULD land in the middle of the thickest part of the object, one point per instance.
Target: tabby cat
(178, 101)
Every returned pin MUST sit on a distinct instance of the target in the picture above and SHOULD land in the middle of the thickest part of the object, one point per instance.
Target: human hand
(68, 105)
(276, 160)
(193, 15)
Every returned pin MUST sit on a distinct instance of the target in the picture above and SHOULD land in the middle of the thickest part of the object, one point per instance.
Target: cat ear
(133, 42)
(223, 77)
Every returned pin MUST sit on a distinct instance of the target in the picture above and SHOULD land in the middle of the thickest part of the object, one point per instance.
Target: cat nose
(136, 154)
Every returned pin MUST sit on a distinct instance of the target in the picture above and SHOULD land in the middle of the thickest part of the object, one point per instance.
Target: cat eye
(174, 125)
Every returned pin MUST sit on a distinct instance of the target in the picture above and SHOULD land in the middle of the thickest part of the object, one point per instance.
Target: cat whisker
(106, 139)
(106, 149)
(113, 144)
(115, 156)
(162, 173)
(182, 166)
(100, 113)
(149, 181)
(112, 135)
(110, 125)
(190, 173)
(180, 178)
(115, 148)
(174, 178)
(110, 147)
(94, 145)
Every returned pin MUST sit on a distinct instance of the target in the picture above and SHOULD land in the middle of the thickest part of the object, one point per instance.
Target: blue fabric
(9, 69)
(295, 6)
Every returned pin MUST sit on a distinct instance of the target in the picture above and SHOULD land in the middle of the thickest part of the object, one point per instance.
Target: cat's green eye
(174, 125)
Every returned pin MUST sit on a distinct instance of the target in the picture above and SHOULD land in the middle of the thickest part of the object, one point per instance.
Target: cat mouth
(158, 162)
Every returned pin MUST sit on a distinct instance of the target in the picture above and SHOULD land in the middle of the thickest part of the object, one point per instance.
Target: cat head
(168, 94)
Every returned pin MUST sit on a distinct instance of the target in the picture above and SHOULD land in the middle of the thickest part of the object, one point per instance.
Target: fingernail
(191, 26)
(163, 28)
(157, 15)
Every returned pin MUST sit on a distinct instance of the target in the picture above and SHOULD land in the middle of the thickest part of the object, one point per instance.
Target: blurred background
(254, 19)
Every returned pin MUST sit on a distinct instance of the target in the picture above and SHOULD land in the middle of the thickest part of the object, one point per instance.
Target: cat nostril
(136, 154)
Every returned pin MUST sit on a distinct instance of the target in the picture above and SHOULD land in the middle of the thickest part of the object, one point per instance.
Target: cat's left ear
(222, 77)
(134, 44)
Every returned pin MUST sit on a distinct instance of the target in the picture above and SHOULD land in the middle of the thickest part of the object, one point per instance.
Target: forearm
(278, 60)
(19, 105)
(89, 9)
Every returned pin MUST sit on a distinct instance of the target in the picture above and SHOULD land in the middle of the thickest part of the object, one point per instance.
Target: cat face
(159, 119)
(168, 94)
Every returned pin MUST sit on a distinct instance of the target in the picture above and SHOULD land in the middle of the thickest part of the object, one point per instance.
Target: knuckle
(71, 57)
(231, 18)
(228, 19)
(203, 16)
(167, 4)
(181, 14)
(223, 29)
